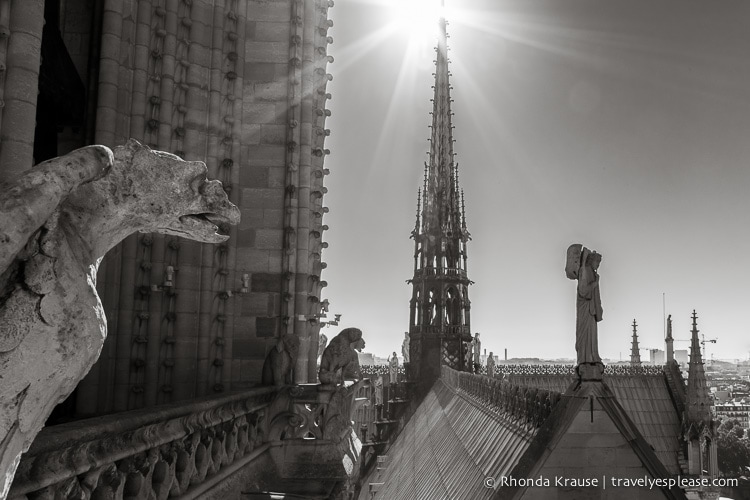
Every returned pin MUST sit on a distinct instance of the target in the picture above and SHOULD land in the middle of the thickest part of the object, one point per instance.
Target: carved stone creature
(278, 368)
(56, 223)
(339, 354)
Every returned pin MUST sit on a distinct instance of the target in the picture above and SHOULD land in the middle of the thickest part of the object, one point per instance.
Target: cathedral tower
(439, 325)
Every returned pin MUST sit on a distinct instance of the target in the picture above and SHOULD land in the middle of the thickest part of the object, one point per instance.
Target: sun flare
(417, 18)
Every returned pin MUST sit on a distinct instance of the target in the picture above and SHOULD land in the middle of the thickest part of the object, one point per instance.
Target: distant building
(681, 356)
(734, 410)
(657, 357)
(366, 358)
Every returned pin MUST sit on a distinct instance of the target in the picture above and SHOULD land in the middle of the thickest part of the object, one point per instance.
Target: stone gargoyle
(339, 358)
(56, 223)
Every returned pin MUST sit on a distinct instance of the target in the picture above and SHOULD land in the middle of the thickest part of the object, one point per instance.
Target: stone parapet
(163, 451)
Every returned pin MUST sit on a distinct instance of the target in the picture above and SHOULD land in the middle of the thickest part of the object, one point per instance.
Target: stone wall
(247, 95)
(241, 85)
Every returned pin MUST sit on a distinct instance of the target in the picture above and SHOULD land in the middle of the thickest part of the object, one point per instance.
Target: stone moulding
(527, 406)
(158, 452)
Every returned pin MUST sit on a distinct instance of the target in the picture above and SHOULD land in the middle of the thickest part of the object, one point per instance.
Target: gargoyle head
(150, 191)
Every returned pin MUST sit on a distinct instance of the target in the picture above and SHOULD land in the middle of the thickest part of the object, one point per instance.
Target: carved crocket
(56, 223)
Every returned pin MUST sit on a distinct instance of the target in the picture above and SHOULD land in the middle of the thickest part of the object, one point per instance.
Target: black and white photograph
(374, 249)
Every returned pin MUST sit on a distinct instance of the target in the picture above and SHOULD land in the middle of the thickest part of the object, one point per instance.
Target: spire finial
(699, 403)
(635, 351)
(669, 340)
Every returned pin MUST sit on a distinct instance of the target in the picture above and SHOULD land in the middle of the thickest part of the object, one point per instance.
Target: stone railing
(570, 370)
(176, 450)
(372, 371)
(527, 406)
(313, 425)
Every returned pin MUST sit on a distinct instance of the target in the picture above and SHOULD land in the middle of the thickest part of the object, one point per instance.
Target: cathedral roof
(646, 398)
(464, 432)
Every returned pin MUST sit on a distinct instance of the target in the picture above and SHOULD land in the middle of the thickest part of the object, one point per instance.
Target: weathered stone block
(187, 301)
(273, 218)
(274, 262)
(250, 27)
(251, 218)
(273, 31)
(249, 348)
(246, 238)
(271, 91)
(269, 239)
(266, 52)
(266, 282)
(266, 327)
(273, 134)
(251, 133)
(266, 155)
(257, 304)
(262, 198)
(277, 177)
(254, 176)
(260, 72)
(187, 278)
(263, 10)
(252, 260)
(258, 112)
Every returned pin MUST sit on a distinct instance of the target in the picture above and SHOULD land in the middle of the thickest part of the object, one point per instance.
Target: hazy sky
(624, 126)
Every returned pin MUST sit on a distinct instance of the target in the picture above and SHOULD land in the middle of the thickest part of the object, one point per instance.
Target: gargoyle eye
(197, 183)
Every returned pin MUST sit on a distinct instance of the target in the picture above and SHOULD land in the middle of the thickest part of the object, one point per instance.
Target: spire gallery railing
(527, 406)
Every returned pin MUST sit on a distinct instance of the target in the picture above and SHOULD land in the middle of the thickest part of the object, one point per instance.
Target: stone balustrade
(190, 450)
(527, 406)
(570, 370)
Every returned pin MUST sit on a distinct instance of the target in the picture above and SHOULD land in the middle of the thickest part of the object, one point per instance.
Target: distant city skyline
(622, 126)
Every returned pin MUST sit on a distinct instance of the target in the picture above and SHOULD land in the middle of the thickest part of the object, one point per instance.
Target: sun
(417, 18)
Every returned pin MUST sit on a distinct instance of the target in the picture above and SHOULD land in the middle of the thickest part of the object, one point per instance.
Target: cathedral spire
(439, 319)
(442, 209)
(635, 352)
(669, 340)
(698, 400)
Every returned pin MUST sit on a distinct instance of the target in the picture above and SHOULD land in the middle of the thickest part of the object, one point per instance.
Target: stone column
(24, 33)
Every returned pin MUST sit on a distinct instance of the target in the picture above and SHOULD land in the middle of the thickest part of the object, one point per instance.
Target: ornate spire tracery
(439, 320)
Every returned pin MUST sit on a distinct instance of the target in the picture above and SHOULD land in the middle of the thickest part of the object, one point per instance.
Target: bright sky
(624, 126)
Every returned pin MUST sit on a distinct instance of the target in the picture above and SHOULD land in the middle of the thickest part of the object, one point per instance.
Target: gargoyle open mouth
(206, 226)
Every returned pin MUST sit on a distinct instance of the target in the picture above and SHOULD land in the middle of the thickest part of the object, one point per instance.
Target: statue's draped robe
(588, 313)
(393, 363)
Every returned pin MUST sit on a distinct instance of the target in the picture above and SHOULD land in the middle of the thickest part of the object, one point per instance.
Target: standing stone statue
(379, 390)
(393, 365)
(322, 342)
(582, 265)
(491, 365)
(476, 346)
(405, 348)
